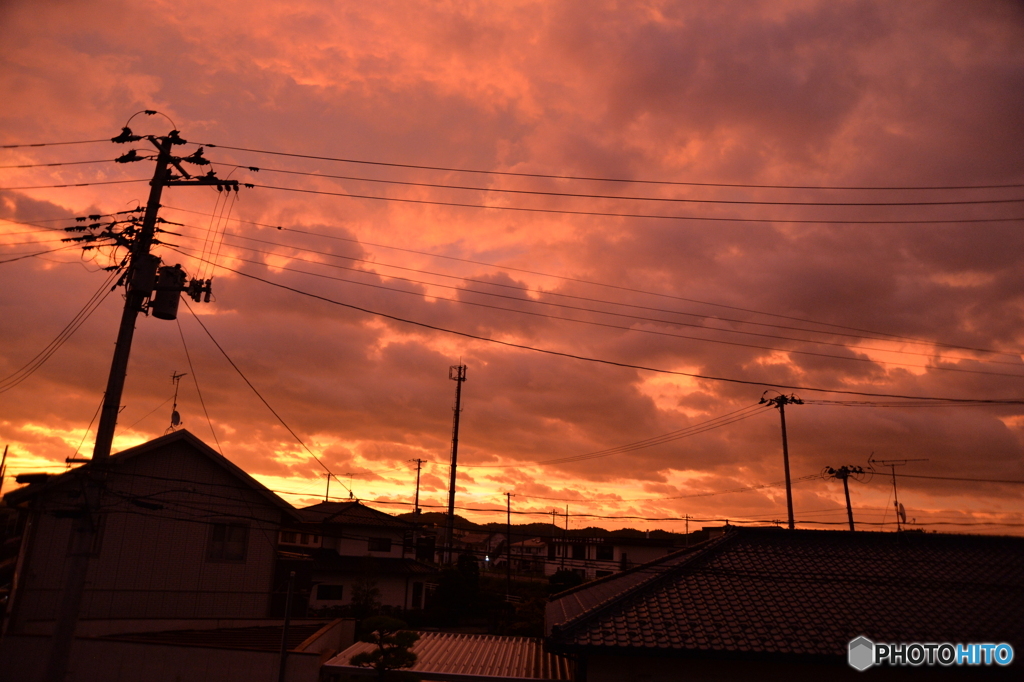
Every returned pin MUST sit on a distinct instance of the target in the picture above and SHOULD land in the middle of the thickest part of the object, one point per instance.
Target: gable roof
(112, 462)
(768, 591)
(350, 513)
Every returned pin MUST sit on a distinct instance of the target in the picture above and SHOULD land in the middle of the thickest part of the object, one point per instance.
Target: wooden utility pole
(780, 402)
(142, 276)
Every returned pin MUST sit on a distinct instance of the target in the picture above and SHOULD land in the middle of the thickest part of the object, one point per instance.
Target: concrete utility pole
(780, 402)
(147, 285)
(416, 503)
(844, 473)
(456, 373)
(508, 544)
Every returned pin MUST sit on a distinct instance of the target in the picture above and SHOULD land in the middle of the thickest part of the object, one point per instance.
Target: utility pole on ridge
(508, 545)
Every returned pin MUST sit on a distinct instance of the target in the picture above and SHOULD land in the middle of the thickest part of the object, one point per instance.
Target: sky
(631, 222)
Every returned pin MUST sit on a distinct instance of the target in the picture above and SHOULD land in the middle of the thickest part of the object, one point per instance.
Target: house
(596, 557)
(354, 549)
(774, 604)
(186, 541)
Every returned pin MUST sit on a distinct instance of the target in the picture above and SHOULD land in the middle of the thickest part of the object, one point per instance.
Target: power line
(625, 315)
(38, 253)
(679, 200)
(598, 360)
(61, 163)
(258, 394)
(604, 179)
(195, 379)
(610, 286)
(50, 144)
(77, 184)
(654, 216)
(37, 361)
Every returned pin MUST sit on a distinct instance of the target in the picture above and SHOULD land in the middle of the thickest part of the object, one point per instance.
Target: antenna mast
(892, 464)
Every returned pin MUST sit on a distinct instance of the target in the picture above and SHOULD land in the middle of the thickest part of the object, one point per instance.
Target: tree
(365, 598)
(394, 645)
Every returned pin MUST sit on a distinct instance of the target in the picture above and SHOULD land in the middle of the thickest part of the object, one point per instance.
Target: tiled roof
(351, 513)
(448, 656)
(328, 560)
(259, 638)
(774, 591)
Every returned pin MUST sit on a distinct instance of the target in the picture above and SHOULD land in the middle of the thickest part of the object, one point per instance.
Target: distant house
(354, 548)
(187, 540)
(774, 604)
(601, 556)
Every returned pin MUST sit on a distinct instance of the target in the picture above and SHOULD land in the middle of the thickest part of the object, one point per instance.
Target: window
(378, 544)
(288, 536)
(579, 551)
(330, 592)
(551, 551)
(417, 595)
(228, 542)
(605, 553)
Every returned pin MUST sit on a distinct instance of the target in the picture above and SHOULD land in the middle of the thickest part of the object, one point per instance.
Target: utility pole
(508, 545)
(565, 536)
(456, 373)
(3, 468)
(416, 504)
(147, 285)
(327, 493)
(844, 473)
(780, 401)
(892, 464)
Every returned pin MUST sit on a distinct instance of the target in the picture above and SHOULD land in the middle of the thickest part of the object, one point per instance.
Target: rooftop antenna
(901, 513)
(175, 417)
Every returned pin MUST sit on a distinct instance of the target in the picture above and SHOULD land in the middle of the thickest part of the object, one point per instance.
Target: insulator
(175, 418)
(170, 283)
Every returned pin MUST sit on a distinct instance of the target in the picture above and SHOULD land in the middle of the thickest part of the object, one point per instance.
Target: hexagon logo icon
(862, 653)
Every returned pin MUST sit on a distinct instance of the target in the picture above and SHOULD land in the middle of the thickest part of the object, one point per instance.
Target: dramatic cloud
(753, 270)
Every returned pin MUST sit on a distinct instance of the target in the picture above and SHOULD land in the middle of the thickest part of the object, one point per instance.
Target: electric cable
(532, 301)
(195, 380)
(679, 200)
(258, 394)
(602, 179)
(653, 216)
(574, 356)
(613, 287)
(37, 361)
(60, 163)
(51, 144)
(77, 184)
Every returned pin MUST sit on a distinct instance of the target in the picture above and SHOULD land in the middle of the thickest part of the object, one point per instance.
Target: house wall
(153, 563)
(353, 540)
(395, 591)
(623, 556)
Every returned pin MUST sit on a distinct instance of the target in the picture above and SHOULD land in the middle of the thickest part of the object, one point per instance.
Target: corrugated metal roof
(259, 638)
(450, 656)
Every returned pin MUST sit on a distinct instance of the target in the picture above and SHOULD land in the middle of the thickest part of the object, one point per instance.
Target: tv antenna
(901, 513)
(175, 417)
